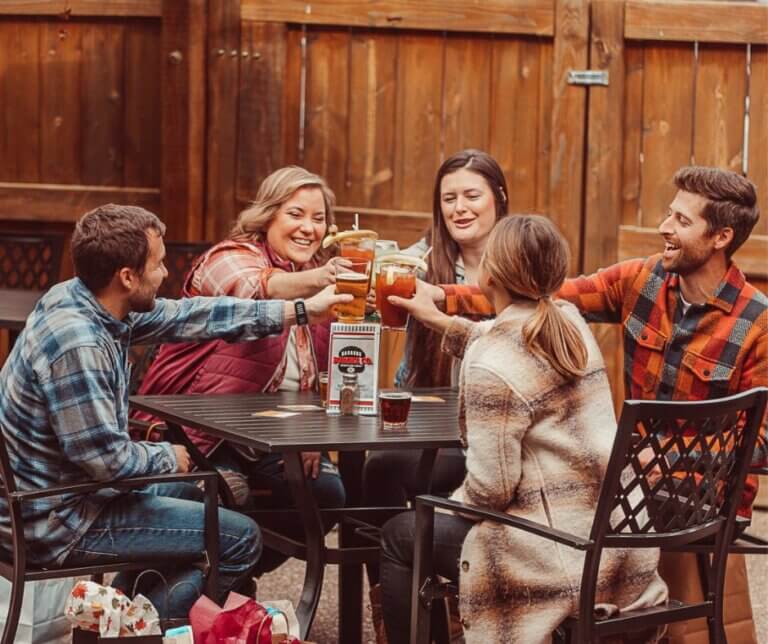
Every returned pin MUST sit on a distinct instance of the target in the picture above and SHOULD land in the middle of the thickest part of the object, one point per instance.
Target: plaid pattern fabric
(713, 350)
(64, 400)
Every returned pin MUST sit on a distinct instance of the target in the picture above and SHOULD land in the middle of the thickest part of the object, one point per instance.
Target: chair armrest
(507, 519)
(129, 483)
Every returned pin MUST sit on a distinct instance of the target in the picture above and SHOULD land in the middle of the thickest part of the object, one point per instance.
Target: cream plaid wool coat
(537, 447)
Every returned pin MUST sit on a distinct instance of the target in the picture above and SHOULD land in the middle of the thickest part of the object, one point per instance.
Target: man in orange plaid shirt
(694, 328)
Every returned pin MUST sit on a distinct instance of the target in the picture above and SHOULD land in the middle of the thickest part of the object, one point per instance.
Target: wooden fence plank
(634, 61)
(404, 227)
(370, 157)
(292, 114)
(260, 120)
(60, 118)
(721, 89)
(418, 118)
(224, 60)
(667, 124)
(494, 16)
(67, 8)
(605, 154)
(635, 241)
(515, 103)
(758, 132)
(568, 120)
(67, 203)
(546, 102)
(142, 104)
(20, 98)
(103, 104)
(183, 117)
(466, 93)
(681, 20)
(328, 108)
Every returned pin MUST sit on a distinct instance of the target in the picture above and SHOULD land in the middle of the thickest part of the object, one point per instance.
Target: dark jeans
(268, 474)
(390, 477)
(397, 546)
(167, 521)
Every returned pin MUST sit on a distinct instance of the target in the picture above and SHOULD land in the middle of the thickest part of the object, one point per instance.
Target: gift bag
(241, 620)
(42, 618)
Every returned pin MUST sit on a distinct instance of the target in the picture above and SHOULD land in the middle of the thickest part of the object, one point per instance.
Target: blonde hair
(273, 192)
(527, 256)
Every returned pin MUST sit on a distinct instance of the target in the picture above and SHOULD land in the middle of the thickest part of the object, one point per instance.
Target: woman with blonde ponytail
(538, 425)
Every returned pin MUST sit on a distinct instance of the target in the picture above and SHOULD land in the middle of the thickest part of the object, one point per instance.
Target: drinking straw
(426, 254)
(356, 225)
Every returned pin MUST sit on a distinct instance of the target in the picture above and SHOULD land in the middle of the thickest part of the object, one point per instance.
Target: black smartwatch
(301, 312)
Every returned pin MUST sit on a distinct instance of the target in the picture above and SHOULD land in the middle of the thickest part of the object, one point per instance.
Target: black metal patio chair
(15, 567)
(31, 262)
(683, 497)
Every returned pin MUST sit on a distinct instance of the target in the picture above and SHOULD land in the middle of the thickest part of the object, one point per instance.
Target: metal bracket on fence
(587, 77)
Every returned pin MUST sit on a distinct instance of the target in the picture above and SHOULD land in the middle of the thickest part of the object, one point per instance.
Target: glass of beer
(353, 279)
(322, 381)
(398, 279)
(395, 405)
(361, 248)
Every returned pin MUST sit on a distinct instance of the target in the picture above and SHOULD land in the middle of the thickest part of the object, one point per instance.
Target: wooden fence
(184, 107)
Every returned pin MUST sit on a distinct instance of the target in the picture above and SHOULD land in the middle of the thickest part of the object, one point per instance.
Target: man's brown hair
(731, 201)
(109, 238)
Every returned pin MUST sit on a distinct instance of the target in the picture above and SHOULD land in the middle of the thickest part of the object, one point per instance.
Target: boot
(377, 614)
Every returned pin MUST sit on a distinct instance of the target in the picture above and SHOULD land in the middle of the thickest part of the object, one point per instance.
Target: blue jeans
(268, 474)
(167, 520)
(397, 543)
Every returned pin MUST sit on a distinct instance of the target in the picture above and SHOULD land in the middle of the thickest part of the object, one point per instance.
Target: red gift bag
(241, 620)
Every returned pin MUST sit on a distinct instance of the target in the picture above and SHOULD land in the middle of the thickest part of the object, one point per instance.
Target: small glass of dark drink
(395, 405)
(322, 380)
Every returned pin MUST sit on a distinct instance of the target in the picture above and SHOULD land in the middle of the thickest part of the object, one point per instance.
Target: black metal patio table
(431, 425)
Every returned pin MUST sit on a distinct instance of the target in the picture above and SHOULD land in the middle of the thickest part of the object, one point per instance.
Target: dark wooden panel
(224, 57)
(634, 60)
(142, 104)
(513, 116)
(757, 169)
(61, 114)
(697, 21)
(495, 16)
(70, 8)
(568, 114)
(103, 104)
(20, 100)
(327, 96)
(66, 203)
(183, 117)
(293, 145)
(667, 124)
(721, 89)
(418, 119)
(260, 119)
(466, 93)
(373, 90)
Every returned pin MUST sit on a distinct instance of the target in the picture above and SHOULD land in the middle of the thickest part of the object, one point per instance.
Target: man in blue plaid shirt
(64, 408)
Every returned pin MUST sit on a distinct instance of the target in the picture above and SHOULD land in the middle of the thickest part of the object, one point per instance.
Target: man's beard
(142, 302)
(688, 262)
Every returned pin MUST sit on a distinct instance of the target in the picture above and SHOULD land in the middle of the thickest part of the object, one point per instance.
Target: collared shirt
(711, 350)
(64, 401)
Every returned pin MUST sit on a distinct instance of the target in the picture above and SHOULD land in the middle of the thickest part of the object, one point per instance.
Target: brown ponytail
(528, 256)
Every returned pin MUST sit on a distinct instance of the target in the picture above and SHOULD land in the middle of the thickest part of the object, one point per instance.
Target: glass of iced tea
(322, 381)
(361, 248)
(398, 279)
(395, 405)
(353, 279)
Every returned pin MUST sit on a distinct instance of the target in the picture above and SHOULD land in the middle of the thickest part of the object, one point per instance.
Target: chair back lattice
(679, 466)
(179, 258)
(30, 262)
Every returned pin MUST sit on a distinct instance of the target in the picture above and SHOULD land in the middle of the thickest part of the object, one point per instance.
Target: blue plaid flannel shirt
(64, 401)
